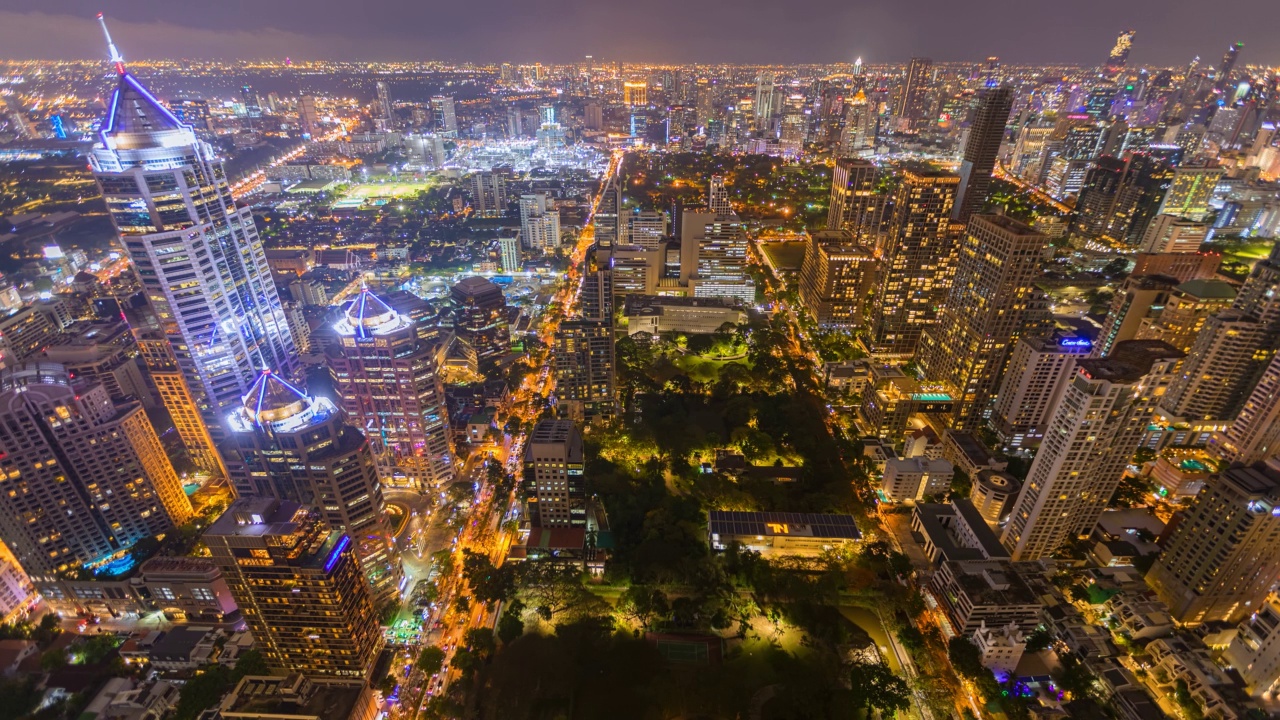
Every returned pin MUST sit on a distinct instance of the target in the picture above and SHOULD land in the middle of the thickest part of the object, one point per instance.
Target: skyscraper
(539, 223)
(553, 481)
(992, 302)
(299, 585)
(82, 478)
(384, 101)
(391, 390)
(489, 193)
(509, 254)
(1220, 560)
(171, 386)
(1192, 187)
(1136, 303)
(584, 367)
(986, 132)
(718, 197)
(837, 277)
(1037, 373)
(1095, 429)
(608, 215)
(914, 275)
(445, 117)
(308, 116)
(722, 261)
(764, 103)
(1119, 56)
(635, 94)
(196, 251)
(854, 202)
(480, 317)
(912, 99)
(293, 446)
(858, 137)
(1224, 70)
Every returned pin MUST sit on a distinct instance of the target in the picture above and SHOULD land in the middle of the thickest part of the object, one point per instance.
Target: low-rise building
(1254, 651)
(915, 478)
(1174, 659)
(1000, 647)
(993, 493)
(955, 532)
(974, 592)
(1138, 617)
(656, 314)
(968, 454)
(781, 533)
(295, 697)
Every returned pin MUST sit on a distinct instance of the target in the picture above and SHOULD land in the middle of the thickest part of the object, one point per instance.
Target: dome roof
(367, 312)
(271, 398)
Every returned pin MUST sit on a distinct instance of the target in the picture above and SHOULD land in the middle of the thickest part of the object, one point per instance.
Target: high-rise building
(539, 223)
(1096, 427)
(854, 201)
(1231, 351)
(1173, 234)
(384, 101)
(584, 367)
(554, 485)
(836, 279)
(249, 99)
(913, 97)
(646, 229)
(445, 117)
(1120, 197)
(992, 302)
(593, 116)
(84, 478)
(489, 193)
(1255, 650)
(1185, 311)
(1220, 560)
(635, 94)
(722, 261)
(196, 251)
(390, 387)
(986, 132)
(914, 276)
(1038, 371)
(597, 285)
(1229, 59)
(765, 102)
(718, 197)
(509, 253)
(608, 215)
(1136, 303)
(1192, 187)
(1119, 55)
(299, 586)
(308, 116)
(171, 387)
(858, 137)
(293, 446)
(480, 317)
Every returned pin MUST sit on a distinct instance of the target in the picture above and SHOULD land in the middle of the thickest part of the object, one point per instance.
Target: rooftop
(818, 525)
(1208, 289)
(1129, 361)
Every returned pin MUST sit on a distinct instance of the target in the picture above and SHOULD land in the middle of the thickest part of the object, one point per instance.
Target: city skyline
(1167, 34)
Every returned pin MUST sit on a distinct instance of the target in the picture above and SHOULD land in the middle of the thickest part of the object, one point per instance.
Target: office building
(584, 368)
(593, 116)
(608, 215)
(175, 396)
(489, 194)
(992, 302)
(1255, 650)
(914, 282)
(1186, 309)
(1095, 429)
(837, 278)
(1137, 302)
(509, 254)
(480, 317)
(1220, 560)
(1192, 187)
(308, 116)
(858, 137)
(656, 314)
(855, 204)
(912, 101)
(721, 269)
(718, 197)
(197, 252)
(83, 479)
(1231, 351)
(1119, 55)
(555, 489)
(1173, 234)
(646, 229)
(781, 534)
(1039, 368)
(390, 387)
(292, 446)
(986, 132)
(299, 586)
(767, 98)
(446, 118)
(635, 94)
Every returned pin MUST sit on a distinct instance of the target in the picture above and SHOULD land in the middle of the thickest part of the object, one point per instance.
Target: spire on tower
(111, 46)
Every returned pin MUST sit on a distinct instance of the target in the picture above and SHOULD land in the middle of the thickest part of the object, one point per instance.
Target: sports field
(380, 193)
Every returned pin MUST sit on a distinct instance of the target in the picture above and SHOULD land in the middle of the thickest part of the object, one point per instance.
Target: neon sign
(1075, 342)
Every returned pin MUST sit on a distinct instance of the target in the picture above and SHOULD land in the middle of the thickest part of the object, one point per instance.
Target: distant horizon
(1169, 33)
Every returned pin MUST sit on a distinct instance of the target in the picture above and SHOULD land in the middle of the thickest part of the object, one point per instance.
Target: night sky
(1170, 32)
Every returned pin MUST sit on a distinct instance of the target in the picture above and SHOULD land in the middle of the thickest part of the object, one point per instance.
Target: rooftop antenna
(111, 46)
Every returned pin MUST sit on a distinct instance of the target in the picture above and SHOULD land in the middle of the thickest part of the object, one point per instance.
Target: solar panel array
(736, 522)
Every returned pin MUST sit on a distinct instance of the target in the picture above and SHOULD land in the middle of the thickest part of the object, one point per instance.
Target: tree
(1039, 639)
(643, 604)
(874, 685)
(489, 584)
(511, 626)
(481, 642)
(202, 692)
(966, 658)
(431, 660)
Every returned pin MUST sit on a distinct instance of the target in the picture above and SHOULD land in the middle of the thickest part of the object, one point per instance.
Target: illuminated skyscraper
(836, 279)
(176, 397)
(489, 193)
(308, 116)
(992, 302)
(81, 478)
(300, 588)
(914, 275)
(384, 101)
(718, 197)
(913, 97)
(509, 254)
(391, 390)
(1220, 560)
(1224, 70)
(584, 367)
(858, 138)
(854, 202)
(764, 104)
(1095, 429)
(1119, 56)
(980, 151)
(196, 251)
(1193, 186)
(480, 317)
(292, 446)
(722, 261)
(635, 94)
(608, 216)
(445, 117)
(553, 481)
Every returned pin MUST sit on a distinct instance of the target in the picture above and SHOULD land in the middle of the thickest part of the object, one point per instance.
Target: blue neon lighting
(152, 99)
(336, 553)
(360, 327)
(1075, 342)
